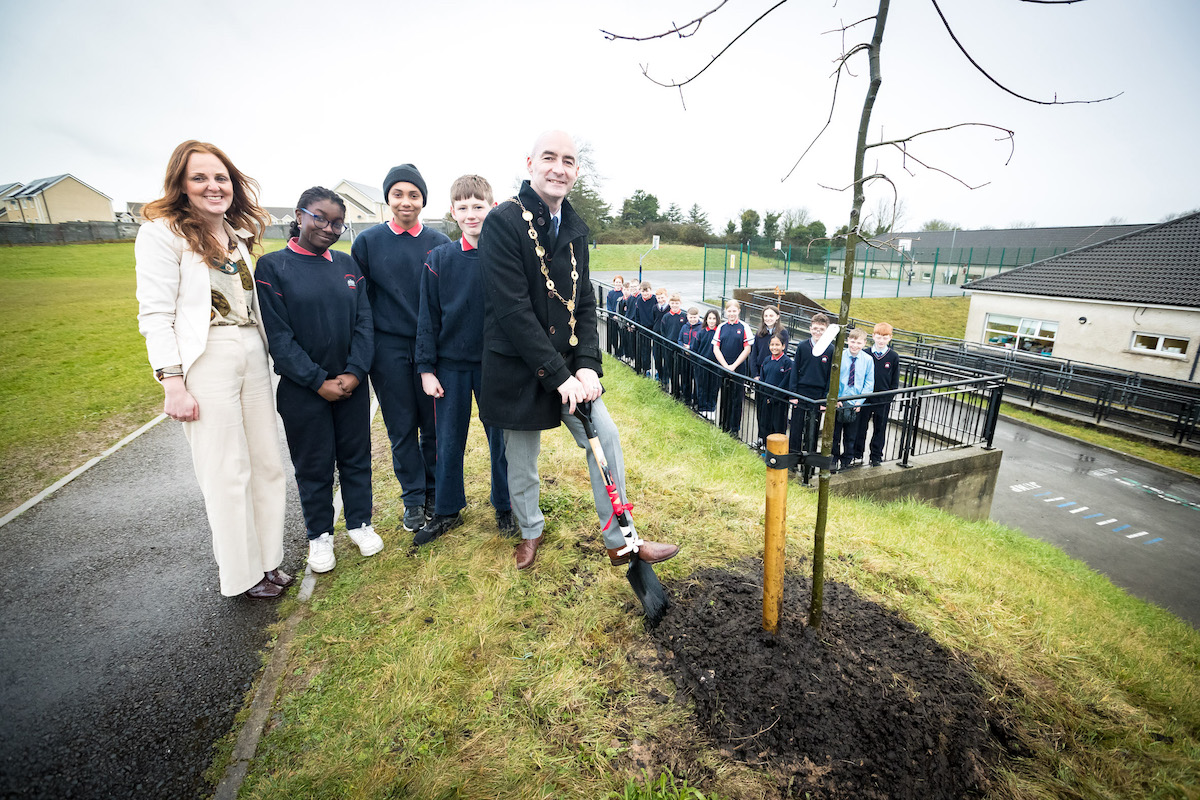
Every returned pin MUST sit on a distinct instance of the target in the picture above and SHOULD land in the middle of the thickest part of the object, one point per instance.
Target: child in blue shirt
(855, 376)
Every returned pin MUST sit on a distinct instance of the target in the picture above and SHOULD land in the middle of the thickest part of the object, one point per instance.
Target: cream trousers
(235, 451)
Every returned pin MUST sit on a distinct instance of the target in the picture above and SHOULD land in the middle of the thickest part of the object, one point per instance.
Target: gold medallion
(541, 251)
(527, 216)
(570, 305)
(574, 340)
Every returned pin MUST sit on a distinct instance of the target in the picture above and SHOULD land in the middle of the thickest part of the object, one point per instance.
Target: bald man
(541, 345)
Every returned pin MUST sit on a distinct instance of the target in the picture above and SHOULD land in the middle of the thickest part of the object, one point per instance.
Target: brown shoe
(650, 552)
(280, 578)
(526, 552)
(264, 589)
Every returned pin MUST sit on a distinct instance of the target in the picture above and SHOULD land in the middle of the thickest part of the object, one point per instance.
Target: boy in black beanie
(392, 256)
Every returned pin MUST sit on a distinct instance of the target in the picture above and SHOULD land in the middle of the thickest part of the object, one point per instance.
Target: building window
(1158, 343)
(1020, 333)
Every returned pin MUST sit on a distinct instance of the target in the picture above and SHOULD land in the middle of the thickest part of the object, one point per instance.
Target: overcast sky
(305, 93)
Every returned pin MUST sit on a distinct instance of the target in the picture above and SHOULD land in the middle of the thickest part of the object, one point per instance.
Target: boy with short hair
(688, 334)
(392, 256)
(449, 358)
(641, 311)
(668, 327)
(876, 410)
(612, 302)
(812, 366)
(856, 375)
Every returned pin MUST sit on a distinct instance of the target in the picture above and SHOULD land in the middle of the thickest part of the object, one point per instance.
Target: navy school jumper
(875, 412)
(707, 375)
(732, 339)
(810, 378)
(450, 345)
(773, 408)
(392, 261)
(318, 323)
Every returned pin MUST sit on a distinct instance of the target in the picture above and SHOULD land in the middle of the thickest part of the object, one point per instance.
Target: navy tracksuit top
(316, 315)
(450, 323)
(392, 264)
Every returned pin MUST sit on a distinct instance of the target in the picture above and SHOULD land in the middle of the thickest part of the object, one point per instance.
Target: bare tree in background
(902, 147)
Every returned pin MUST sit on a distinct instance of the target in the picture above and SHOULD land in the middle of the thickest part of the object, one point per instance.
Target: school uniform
(319, 325)
(668, 327)
(660, 370)
(856, 375)
(810, 379)
(760, 351)
(731, 339)
(773, 408)
(392, 260)
(687, 379)
(706, 373)
(450, 346)
(875, 411)
(625, 309)
(611, 303)
(641, 311)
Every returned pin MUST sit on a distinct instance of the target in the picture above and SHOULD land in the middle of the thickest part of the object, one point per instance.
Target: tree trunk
(852, 238)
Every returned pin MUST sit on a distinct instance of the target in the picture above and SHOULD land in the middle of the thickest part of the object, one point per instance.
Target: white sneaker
(320, 553)
(367, 539)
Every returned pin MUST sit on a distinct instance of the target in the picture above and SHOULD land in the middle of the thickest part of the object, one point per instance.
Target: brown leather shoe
(526, 552)
(650, 552)
(280, 578)
(264, 589)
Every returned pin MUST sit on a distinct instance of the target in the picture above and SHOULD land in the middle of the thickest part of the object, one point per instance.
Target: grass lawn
(74, 379)
(445, 672)
(624, 258)
(939, 316)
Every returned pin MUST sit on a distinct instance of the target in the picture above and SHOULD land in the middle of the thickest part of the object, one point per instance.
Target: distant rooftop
(372, 192)
(1159, 264)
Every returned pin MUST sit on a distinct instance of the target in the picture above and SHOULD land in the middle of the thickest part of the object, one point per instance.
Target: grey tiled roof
(372, 192)
(1159, 264)
(8, 188)
(40, 185)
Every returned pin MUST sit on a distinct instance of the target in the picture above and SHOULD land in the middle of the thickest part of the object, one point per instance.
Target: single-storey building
(1130, 303)
(59, 198)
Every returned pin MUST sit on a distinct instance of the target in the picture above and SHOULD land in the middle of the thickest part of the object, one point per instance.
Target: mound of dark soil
(868, 707)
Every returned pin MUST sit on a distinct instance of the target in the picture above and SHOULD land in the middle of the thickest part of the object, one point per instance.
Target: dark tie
(850, 377)
(553, 230)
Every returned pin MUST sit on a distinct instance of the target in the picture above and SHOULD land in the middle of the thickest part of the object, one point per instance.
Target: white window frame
(1160, 344)
(1027, 328)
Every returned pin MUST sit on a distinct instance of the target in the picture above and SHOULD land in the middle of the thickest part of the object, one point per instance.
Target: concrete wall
(962, 482)
(1105, 337)
(66, 233)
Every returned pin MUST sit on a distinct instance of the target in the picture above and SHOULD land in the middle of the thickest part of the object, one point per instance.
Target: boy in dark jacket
(668, 327)
(813, 364)
(449, 356)
(876, 410)
(392, 257)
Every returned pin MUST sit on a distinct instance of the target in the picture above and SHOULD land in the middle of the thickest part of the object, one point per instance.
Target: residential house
(365, 204)
(59, 198)
(1131, 303)
(281, 215)
(6, 189)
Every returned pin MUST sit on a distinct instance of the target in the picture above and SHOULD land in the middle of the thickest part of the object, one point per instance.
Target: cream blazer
(175, 296)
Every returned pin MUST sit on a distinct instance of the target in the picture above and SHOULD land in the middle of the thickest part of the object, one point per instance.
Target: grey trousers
(524, 485)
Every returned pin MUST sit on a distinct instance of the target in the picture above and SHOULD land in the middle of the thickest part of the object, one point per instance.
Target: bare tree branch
(673, 83)
(984, 73)
(679, 29)
(1008, 134)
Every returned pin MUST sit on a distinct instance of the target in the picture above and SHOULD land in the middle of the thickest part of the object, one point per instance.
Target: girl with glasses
(321, 335)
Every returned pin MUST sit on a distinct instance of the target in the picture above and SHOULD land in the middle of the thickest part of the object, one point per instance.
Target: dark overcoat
(527, 352)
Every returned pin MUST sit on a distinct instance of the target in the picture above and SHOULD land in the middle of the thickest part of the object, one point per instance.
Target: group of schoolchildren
(762, 355)
(405, 307)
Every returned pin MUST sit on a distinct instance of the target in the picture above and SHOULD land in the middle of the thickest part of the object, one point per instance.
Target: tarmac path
(1137, 523)
(121, 663)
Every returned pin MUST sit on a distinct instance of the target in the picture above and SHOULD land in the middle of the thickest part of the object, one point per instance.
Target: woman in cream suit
(198, 310)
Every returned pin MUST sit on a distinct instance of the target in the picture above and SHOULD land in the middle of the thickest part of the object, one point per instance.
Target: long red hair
(174, 206)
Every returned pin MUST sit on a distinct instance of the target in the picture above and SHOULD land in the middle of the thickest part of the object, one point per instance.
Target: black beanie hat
(409, 173)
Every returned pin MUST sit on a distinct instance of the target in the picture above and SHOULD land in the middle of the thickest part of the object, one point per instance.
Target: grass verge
(444, 672)
(939, 316)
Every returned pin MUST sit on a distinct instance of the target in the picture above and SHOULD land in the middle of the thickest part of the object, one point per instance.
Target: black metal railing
(1132, 400)
(938, 407)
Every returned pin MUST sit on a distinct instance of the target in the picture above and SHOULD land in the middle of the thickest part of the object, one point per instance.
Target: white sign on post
(778, 245)
(732, 261)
